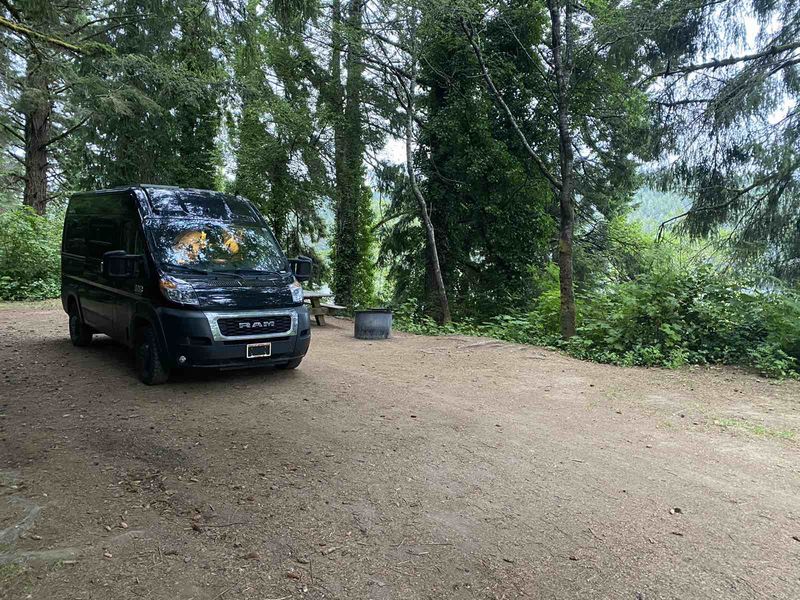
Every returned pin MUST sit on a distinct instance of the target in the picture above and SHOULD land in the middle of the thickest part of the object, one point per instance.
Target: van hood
(243, 294)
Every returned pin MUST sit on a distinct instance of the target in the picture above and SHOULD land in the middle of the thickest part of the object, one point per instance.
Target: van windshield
(206, 245)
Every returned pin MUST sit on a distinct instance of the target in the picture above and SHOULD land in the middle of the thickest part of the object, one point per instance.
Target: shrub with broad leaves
(30, 262)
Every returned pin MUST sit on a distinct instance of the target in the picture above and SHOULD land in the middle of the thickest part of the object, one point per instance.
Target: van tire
(150, 366)
(292, 364)
(80, 334)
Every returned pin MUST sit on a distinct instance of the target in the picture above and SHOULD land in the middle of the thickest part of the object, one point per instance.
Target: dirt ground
(414, 468)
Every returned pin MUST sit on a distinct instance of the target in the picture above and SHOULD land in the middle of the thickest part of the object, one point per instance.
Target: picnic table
(319, 309)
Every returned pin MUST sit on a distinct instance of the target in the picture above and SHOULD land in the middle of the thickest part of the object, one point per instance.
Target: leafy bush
(670, 316)
(30, 262)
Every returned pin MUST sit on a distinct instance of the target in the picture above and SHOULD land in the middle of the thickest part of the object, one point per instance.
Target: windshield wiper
(205, 272)
(186, 269)
(227, 273)
(253, 271)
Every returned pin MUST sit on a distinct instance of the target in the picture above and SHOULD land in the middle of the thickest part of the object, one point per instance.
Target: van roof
(144, 186)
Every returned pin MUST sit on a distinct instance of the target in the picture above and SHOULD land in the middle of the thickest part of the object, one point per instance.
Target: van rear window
(208, 205)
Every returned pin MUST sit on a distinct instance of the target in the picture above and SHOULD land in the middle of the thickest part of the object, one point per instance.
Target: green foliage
(51, 84)
(351, 256)
(161, 122)
(669, 316)
(279, 163)
(734, 130)
(352, 262)
(491, 210)
(494, 213)
(673, 316)
(653, 207)
(30, 261)
(608, 251)
(771, 361)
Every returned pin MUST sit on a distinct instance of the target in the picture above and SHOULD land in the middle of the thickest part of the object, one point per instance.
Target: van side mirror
(118, 264)
(301, 267)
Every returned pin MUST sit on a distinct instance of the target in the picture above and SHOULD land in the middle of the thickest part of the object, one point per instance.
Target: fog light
(181, 360)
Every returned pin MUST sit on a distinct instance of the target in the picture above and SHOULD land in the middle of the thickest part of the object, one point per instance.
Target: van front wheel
(149, 365)
(80, 334)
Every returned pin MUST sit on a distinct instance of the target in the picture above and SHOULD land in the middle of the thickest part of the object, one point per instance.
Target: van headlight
(297, 292)
(177, 290)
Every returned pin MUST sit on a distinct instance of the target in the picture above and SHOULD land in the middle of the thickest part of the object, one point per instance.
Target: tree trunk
(430, 235)
(336, 97)
(562, 58)
(339, 279)
(352, 280)
(37, 134)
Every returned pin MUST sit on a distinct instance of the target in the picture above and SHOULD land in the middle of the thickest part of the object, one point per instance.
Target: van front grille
(235, 326)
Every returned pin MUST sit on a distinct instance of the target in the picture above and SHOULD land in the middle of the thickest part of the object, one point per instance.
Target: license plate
(263, 350)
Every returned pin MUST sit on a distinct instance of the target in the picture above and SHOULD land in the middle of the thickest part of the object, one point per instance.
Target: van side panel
(94, 225)
(129, 291)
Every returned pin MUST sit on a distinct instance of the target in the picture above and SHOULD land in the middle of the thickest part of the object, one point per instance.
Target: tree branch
(12, 132)
(66, 132)
(27, 31)
(385, 220)
(739, 193)
(725, 62)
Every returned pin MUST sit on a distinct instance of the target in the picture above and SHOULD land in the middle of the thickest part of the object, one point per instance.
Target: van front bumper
(193, 339)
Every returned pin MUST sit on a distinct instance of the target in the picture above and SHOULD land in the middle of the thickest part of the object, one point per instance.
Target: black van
(187, 278)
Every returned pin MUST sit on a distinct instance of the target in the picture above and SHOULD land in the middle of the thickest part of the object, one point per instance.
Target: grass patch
(10, 576)
(755, 428)
(31, 304)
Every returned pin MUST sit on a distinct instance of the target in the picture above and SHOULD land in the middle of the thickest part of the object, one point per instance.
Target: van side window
(75, 236)
(138, 241)
(131, 228)
(132, 237)
(112, 224)
(75, 230)
(103, 237)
